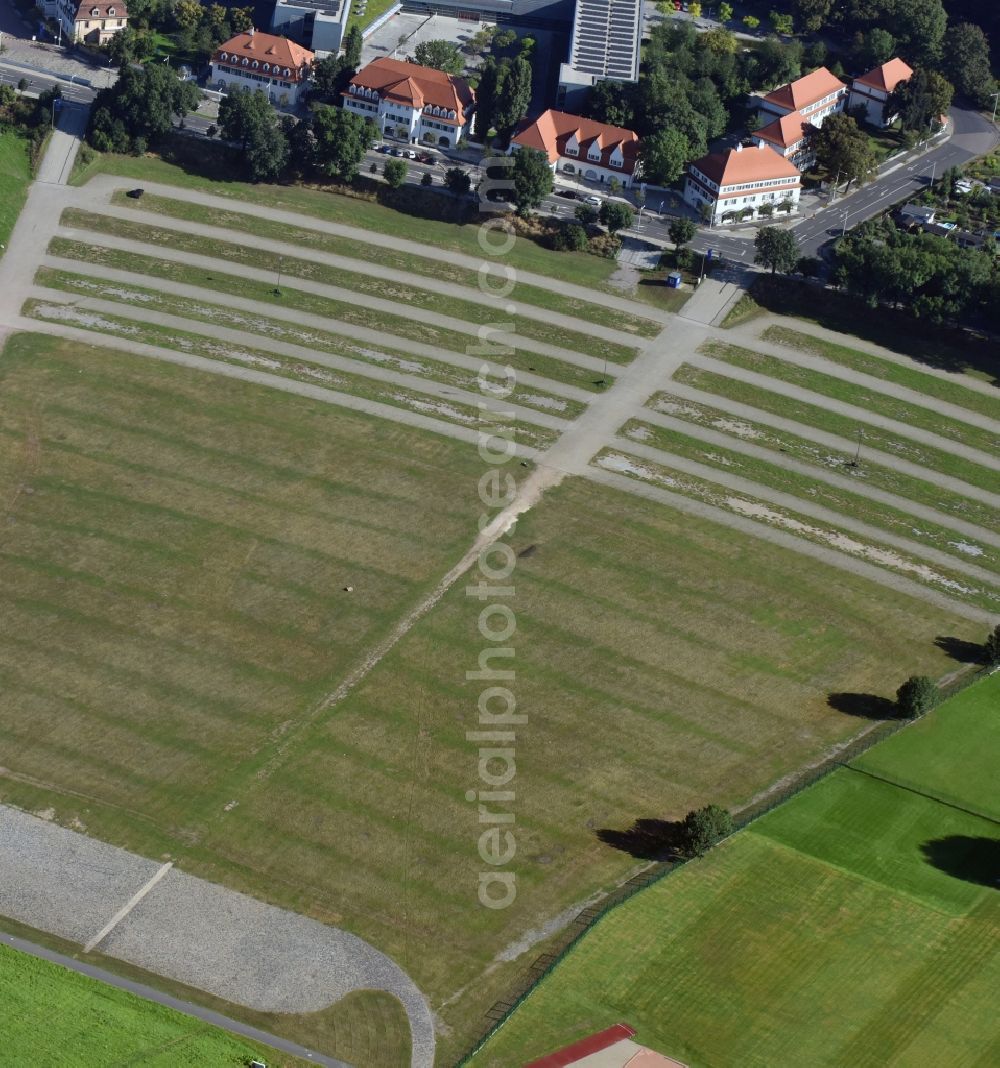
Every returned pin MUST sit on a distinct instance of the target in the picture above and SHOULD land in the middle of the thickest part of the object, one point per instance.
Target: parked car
(134, 194)
(595, 201)
(384, 148)
(396, 151)
(410, 154)
(568, 194)
(425, 157)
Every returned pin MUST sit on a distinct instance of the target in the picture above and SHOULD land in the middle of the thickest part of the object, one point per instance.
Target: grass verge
(923, 491)
(878, 367)
(366, 251)
(15, 176)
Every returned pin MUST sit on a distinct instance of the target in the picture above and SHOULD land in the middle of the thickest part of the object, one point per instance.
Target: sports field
(856, 924)
(61, 1019)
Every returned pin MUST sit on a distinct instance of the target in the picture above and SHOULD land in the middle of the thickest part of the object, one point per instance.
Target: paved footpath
(206, 936)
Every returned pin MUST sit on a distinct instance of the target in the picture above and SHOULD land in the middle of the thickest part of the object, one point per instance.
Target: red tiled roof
(735, 167)
(278, 53)
(805, 91)
(86, 8)
(416, 87)
(886, 77)
(785, 131)
(586, 1046)
(552, 129)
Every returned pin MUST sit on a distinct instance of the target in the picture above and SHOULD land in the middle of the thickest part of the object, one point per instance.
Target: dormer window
(288, 73)
(94, 12)
(353, 90)
(223, 56)
(111, 11)
(267, 67)
(255, 64)
(246, 62)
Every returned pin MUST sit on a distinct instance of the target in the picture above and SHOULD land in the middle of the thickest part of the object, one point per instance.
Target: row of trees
(197, 29)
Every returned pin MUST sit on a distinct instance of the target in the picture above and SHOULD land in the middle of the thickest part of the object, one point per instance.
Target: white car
(596, 201)
(410, 154)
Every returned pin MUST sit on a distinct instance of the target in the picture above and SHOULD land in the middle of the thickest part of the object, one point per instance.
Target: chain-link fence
(541, 966)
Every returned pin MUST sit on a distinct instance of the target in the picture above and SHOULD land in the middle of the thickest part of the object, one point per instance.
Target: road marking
(127, 908)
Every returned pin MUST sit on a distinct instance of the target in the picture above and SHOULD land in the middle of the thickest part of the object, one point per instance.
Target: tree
(570, 237)
(920, 101)
(694, 9)
(247, 116)
(919, 694)
(457, 181)
(725, 12)
(395, 171)
(480, 41)
(918, 26)
(585, 214)
(510, 104)
(353, 43)
(991, 648)
(532, 178)
(441, 55)
(776, 249)
(967, 62)
(681, 231)
(720, 41)
(427, 178)
(140, 106)
(615, 216)
(187, 15)
(874, 48)
(491, 81)
(704, 827)
(781, 23)
(266, 153)
(611, 102)
(843, 149)
(808, 266)
(341, 138)
(751, 22)
(812, 15)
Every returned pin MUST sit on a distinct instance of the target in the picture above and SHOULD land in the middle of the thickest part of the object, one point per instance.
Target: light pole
(843, 232)
(277, 288)
(996, 100)
(856, 462)
(933, 172)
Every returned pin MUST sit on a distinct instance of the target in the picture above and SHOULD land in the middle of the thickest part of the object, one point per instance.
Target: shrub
(703, 827)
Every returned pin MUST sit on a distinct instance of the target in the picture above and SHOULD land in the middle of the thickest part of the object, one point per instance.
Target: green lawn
(882, 404)
(579, 267)
(952, 391)
(15, 175)
(799, 447)
(61, 1019)
(780, 477)
(173, 579)
(372, 252)
(354, 281)
(822, 935)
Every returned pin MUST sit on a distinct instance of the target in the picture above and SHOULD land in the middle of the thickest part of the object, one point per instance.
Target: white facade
(589, 166)
(429, 125)
(91, 24)
(278, 83)
(741, 199)
(873, 101)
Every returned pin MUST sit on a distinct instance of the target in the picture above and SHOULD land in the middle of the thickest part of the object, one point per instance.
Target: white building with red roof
(787, 136)
(90, 21)
(252, 60)
(872, 90)
(737, 183)
(581, 147)
(412, 103)
(814, 96)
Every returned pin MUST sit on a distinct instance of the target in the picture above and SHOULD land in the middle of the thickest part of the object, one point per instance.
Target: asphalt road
(38, 82)
(150, 994)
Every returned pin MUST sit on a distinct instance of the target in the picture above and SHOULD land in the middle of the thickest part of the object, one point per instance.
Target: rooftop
(888, 76)
(805, 91)
(737, 166)
(605, 40)
(264, 48)
(552, 129)
(101, 9)
(413, 85)
(784, 131)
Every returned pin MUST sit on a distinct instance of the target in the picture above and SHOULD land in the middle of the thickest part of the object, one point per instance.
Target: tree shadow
(975, 860)
(647, 839)
(862, 705)
(961, 650)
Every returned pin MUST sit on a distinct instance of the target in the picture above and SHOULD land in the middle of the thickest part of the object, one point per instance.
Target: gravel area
(191, 930)
(63, 882)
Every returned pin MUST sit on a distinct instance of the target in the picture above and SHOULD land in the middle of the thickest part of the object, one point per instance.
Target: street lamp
(277, 288)
(856, 462)
(996, 100)
(843, 232)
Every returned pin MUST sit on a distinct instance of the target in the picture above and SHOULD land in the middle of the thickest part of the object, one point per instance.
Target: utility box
(674, 279)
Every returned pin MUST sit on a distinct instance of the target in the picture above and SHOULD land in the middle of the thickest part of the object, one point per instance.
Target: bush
(684, 259)
(919, 694)
(991, 648)
(570, 237)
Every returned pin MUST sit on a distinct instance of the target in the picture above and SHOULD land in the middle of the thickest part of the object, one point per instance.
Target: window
(94, 12)
(223, 57)
(615, 162)
(111, 11)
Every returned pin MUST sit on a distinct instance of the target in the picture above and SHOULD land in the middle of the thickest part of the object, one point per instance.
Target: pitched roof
(888, 76)
(552, 129)
(415, 86)
(784, 131)
(736, 166)
(805, 91)
(265, 48)
(85, 9)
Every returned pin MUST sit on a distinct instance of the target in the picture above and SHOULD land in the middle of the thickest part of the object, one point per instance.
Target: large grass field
(15, 174)
(855, 924)
(61, 1019)
(173, 573)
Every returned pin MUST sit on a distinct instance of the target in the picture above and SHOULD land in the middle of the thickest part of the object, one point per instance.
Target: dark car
(568, 194)
(425, 157)
(134, 194)
(384, 148)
